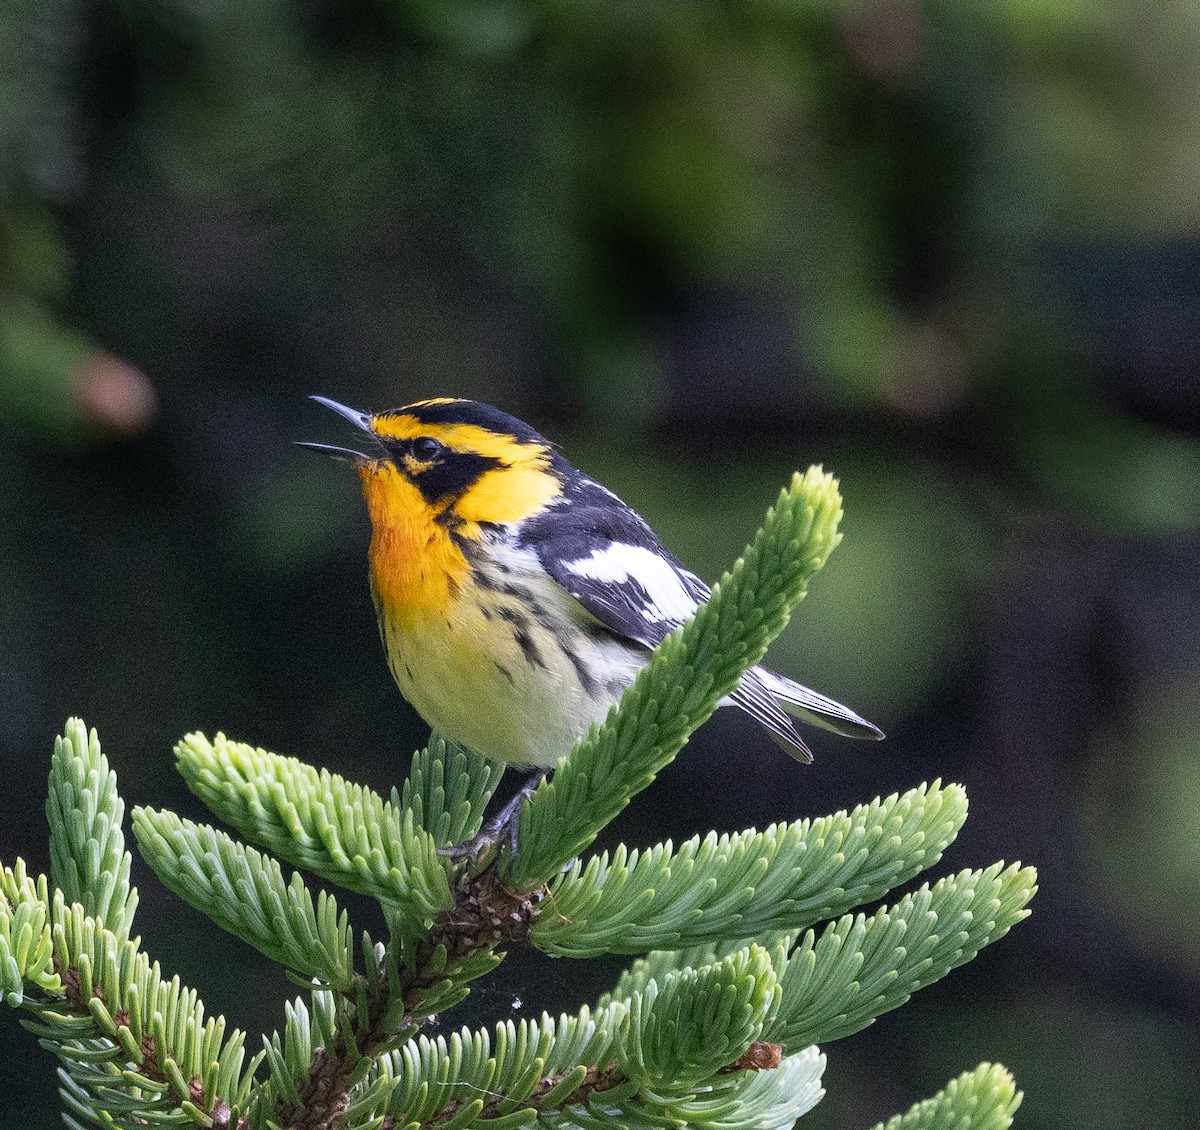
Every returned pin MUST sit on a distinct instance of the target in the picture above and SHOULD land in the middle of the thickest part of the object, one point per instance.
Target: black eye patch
(450, 474)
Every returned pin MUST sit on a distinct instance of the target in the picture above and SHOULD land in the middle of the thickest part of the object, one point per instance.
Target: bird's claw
(471, 851)
(504, 825)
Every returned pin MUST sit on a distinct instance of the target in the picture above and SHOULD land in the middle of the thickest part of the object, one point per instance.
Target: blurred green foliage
(885, 167)
(1141, 804)
(948, 249)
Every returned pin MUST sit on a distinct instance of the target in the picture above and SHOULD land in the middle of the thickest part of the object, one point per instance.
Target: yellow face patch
(520, 487)
(509, 494)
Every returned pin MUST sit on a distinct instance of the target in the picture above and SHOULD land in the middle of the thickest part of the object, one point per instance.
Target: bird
(517, 598)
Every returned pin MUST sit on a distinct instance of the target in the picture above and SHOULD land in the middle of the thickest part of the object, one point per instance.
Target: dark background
(950, 250)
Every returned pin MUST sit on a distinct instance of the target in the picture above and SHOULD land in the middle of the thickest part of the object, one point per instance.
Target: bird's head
(462, 462)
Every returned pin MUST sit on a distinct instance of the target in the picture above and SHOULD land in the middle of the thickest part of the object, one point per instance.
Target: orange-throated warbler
(517, 598)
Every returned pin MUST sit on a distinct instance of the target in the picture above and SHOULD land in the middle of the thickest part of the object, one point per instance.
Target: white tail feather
(817, 709)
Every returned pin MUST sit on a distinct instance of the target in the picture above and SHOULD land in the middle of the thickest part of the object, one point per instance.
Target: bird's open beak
(358, 419)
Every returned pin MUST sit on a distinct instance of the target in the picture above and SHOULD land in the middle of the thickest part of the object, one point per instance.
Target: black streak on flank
(520, 626)
(528, 647)
(505, 672)
(480, 576)
(582, 673)
(616, 688)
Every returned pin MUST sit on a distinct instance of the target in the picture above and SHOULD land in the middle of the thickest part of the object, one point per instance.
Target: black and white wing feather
(607, 557)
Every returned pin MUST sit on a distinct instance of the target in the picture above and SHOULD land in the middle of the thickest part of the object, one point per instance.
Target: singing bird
(517, 597)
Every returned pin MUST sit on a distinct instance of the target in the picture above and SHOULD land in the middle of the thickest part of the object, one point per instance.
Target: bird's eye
(425, 449)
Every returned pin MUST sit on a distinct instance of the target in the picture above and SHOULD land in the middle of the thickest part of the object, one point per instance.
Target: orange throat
(415, 565)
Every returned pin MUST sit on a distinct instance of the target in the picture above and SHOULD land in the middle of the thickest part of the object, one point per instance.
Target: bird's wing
(610, 561)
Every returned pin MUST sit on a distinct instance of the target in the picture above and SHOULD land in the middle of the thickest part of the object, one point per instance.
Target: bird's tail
(773, 701)
(816, 709)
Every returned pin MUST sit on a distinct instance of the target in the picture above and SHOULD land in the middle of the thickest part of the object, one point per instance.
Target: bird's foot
(502, 826)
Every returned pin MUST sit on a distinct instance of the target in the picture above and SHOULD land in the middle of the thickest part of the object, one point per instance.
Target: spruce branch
(447, 790)
(690, 673)
(568, 1071)
(289, 1056)
(88, 860)
(858, 968)
(244, 892)
(715, 1027)
(320, 1095)
(26, 937)
(431, 1080)
(697, 1021)
(407, 981)
(751, 884)
(983, 1099)
(134, 1049)
(679, 1048)
(316, 820)
(770, 1100)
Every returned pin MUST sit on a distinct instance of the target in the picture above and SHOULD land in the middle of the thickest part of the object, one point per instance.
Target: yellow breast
(502, 681)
